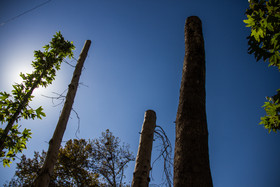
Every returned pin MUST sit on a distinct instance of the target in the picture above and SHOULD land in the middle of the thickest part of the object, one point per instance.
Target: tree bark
(46, 172)
(143, 159)
(191, 158)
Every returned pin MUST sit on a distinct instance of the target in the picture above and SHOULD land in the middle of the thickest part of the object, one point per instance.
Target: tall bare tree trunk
(143, 159)
(43, 179)
(191, 159)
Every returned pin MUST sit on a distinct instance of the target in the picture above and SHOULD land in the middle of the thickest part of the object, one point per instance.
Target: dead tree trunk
(46, 172)
(143, 159)
(191, 159)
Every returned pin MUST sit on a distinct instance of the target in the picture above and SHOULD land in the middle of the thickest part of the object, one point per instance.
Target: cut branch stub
(143, 159)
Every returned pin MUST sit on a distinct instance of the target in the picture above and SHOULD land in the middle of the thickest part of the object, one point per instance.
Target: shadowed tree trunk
(143, 159)
(46, 172)
(191, 159)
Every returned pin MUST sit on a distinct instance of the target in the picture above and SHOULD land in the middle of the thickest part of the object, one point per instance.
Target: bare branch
(59, 97)
(165, 153)
(79, 120)
(69, 64)
(81, 83)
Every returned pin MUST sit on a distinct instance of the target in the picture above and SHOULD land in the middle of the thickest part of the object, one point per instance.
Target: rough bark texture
(191, 159)
(46, 172)
(143, 159)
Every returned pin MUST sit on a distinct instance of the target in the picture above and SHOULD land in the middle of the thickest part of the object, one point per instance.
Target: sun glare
(12, 76)
(21, 62)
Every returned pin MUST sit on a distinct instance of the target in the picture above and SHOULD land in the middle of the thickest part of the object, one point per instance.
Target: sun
(12, 76)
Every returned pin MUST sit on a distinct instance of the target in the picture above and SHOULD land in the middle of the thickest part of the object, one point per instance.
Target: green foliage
(16, 141)
(263, 17)
(72, 167)
(272, 120)
(98, 162)
(15, 106)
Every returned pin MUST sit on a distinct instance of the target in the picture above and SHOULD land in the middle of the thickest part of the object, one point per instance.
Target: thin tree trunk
(46, 172)
(191, 159)
(143, 159)
(15, 116)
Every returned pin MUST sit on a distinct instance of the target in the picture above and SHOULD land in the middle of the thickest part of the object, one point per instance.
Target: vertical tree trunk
(46, 172)
(191, 159)
(143, 159)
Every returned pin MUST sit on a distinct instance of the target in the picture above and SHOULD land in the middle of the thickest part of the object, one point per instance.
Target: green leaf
(6, 162)
(250, 21)
(39, 112)
(4, 96)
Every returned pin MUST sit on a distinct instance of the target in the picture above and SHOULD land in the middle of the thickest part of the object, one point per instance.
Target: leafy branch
(263, 17)
(272, 120)
(15, 106)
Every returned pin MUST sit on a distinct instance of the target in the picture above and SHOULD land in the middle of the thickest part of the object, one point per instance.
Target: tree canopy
(71, 169)
(263, 17)
(98, 162)
(110, 158)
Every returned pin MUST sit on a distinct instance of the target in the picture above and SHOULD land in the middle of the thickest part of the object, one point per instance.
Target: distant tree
(98, 162)
(72, 167)
(15, 106)
(263, 17)
(110, 159)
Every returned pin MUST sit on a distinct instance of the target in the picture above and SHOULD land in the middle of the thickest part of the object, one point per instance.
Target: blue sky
(135, 64)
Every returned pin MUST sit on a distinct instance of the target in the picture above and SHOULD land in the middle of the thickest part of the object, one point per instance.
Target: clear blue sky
(135, 63)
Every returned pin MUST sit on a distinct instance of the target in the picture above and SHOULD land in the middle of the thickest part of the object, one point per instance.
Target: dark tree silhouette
(191, 159)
